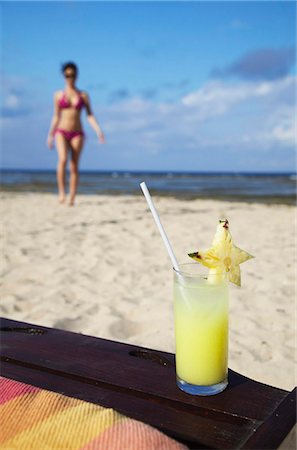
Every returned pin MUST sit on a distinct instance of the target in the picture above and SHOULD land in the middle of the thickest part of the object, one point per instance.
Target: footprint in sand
(124, 329)
(76, 325)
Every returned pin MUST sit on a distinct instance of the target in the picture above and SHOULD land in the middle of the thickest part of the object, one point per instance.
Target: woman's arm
(54, 122)
(92, 119)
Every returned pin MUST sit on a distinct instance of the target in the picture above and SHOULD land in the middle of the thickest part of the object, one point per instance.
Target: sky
(175, 86)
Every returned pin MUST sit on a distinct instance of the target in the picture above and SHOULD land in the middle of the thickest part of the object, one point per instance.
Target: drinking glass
(201, 330)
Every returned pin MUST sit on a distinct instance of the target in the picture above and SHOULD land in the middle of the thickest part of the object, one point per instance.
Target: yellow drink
(201, 331)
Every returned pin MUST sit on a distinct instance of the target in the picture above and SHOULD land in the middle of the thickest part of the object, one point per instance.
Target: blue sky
(174, 85)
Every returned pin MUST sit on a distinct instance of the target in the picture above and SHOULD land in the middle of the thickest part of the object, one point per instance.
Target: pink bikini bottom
(69, 135)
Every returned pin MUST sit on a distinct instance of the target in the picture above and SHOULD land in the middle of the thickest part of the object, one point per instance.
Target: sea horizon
(159, 171)
(268, 187)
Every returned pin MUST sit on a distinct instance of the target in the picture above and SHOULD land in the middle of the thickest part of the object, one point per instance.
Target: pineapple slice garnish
(223, 256)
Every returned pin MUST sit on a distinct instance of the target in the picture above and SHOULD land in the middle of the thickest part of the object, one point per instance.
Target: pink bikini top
(65, 103)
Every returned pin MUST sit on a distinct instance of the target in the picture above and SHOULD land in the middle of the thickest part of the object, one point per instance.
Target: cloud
(9, 113)
(223, 125)
(218, 96)
(16, 101)
(284, 132)
(11, 100)
(96, 86)
(178, 85)
(261, 64)
(118, 95)
(237, 109)
(149, 93)
(217, 126)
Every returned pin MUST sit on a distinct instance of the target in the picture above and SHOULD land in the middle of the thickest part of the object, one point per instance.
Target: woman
(67, 129)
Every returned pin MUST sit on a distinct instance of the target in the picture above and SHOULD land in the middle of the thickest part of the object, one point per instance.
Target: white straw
(159, 225)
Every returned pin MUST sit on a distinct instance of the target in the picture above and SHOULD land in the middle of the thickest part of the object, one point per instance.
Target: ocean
(251, 187)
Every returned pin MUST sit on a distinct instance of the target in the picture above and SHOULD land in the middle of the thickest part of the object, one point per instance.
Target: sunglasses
(72, 75)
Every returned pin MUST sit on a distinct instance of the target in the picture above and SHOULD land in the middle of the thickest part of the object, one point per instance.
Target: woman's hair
(70, 65)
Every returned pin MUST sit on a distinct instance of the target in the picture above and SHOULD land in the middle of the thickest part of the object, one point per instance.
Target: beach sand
(100, 268)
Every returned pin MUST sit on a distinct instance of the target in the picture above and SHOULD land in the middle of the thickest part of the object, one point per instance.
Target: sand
(100, 268)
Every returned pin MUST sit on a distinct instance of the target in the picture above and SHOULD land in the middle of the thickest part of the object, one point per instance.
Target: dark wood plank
(101, 359)
(270, 434)
(194, 427)
(137, 382)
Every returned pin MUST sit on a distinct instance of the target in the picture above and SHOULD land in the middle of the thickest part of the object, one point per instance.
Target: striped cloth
(36, 419)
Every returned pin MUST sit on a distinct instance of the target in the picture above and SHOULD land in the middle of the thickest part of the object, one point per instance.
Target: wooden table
(140, 383)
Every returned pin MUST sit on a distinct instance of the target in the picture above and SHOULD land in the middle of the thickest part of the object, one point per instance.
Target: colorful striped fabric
(36, 419)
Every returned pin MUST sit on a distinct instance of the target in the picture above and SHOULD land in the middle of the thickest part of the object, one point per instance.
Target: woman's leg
(76, 146)
(62, 147)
